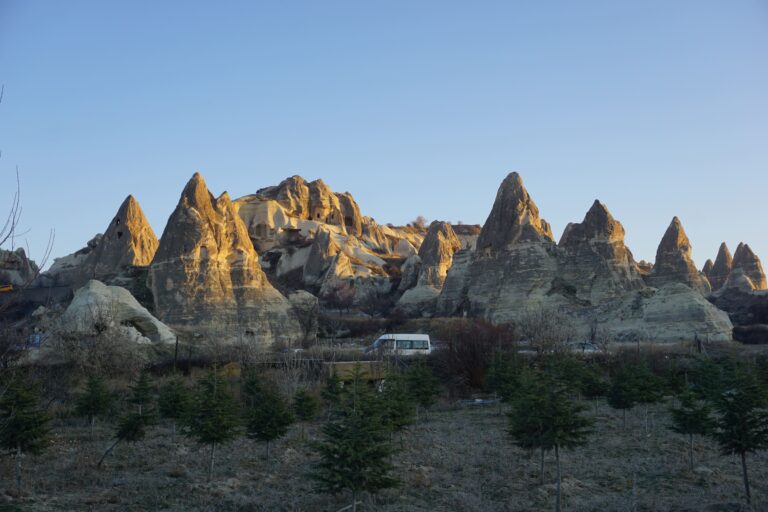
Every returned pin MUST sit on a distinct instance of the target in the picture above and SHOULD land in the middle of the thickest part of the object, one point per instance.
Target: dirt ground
(457, 459)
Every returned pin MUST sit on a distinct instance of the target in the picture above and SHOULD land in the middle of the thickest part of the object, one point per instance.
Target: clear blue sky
(658, 108)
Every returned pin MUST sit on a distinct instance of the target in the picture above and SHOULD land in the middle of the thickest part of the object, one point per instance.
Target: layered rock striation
(206, 279)
(590, 276)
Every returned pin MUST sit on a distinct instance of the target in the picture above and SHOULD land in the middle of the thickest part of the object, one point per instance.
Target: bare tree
(419, 222)
(307, 313)
(546, 329)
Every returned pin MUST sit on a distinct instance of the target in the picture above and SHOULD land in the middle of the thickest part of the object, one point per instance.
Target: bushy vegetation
(355, 428)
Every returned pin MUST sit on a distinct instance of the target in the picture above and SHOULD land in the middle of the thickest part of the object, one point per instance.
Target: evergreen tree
(269, 417)
(502, 378)
(594, 385)
(545, 417)
(174, 403)
(24, 426)
(305, 406)
(130, 429)
(525, 427)
(396, 406)
(214, 416)
(692, 417)
(647, 387)
(332, 391)
(142, 394)
(742, 423)
(423, 386)
(622, 394)
(354, 452)
(95, 401)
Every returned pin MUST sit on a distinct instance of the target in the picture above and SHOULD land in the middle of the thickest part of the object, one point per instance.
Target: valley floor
(457, 459)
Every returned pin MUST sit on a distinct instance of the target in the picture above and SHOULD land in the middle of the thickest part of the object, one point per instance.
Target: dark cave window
(119, 234)
(117, 222)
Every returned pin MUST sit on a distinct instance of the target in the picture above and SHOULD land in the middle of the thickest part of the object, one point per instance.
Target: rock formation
(96, 306)
(16, 269)
(595, 260)
(128, 241)
(674, 263)
(206, 278)
(435, 258)
(590, 276)
(748, 262)
(720, 270)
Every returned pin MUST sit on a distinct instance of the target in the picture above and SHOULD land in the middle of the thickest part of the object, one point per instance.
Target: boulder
(674, 263)
(747, 261)
(206, 278)
(96, 306)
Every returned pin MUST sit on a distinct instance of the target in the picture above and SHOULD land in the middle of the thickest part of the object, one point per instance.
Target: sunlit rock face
(128, 243)
(313, 238)
(721, 268)
(748, 262)
(434, 260)
(674, 263)
(590, 276)
(206, 278)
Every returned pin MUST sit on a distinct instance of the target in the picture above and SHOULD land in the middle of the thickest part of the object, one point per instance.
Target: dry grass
(458, 459)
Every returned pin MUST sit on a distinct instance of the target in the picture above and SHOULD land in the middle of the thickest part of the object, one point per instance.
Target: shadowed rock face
(514, 218)
(206, 276)
(674, 263)
(720, 270)
(433, 262)
(16, 268)
(590, 276)
(128, 241)
(748, 262)
(594, 258)
(350, 211)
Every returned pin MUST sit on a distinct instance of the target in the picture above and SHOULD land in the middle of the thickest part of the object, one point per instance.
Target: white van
(402, 345)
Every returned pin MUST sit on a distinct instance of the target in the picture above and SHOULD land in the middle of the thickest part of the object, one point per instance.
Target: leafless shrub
(102, 347)
(307, 315)
(470, 347)
(546, 329)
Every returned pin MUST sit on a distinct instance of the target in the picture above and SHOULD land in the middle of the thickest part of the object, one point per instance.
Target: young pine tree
(545, 417)
(691, 418)
(648, 388)
(742, 423)
(305, 406)
(24, 425)
(502, 378)
(131, 428)
(174, 402)
(423, 386)
(594, 385)
(622, 394)
(95, 401)
(142, 394)
(332, 391)
(214, 417)
(525, 426)
(354, 450)
(269, 417)
(396, 405)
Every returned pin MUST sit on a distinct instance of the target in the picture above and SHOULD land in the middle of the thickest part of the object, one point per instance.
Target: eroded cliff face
(720, 269)
(206, 278)
(128, 243)
(748, 262)
(314, 238)
(590, 276)
(674, 263)
(431, 266)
